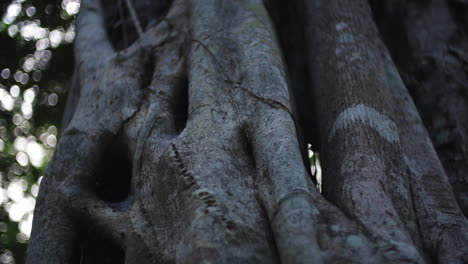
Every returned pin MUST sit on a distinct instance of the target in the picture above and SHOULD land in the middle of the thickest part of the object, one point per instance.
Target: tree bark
(187, 128)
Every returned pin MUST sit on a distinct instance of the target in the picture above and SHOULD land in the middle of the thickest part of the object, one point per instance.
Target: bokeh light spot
(3, 227)
(29, 95)
(30, 11)
(71, 7)
(7, 256)
(37, 75)
(42, 44)
(12, 30)
(15, 90)
(52, 99)
(13, 10)
(56, 37)
(5, 73)
(7, 101)
(22, 159)
(36, 153)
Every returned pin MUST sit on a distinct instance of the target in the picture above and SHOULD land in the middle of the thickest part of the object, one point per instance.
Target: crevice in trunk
(94, 249)
(148, 70)
(250, 151)
(315, 166)
(113, 178)
(121, 32)
(289, 20)
(389, 18)
(459, 11)
(289, 23)
(121, 28)
(181, 106)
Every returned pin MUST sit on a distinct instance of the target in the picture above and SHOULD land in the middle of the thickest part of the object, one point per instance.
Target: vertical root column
(356, 125)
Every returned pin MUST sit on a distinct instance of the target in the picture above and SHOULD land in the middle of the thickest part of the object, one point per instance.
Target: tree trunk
(186, 131)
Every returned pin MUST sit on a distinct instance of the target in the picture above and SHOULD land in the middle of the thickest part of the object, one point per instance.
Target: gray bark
(186, 143)
(429, 44)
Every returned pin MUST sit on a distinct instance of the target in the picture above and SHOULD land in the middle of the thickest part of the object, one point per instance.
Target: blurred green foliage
(36, 64)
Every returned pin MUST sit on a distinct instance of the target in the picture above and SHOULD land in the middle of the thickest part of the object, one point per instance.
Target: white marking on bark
(346, 38)
(366, 115)
(340, 26)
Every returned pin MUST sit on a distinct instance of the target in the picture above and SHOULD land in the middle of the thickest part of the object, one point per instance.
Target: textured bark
(186, 131)
(430, 44)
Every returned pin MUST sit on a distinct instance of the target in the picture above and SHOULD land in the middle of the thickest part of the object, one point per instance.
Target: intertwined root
(201, 104)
